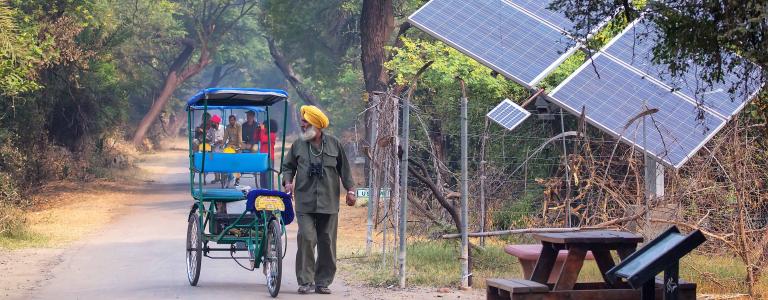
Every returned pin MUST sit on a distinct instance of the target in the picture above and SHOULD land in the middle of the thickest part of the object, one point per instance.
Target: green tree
(208, 25)
(314, 44)
(20, 55)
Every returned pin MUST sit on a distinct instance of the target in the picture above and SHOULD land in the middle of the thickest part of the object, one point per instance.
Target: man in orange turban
(313, 169)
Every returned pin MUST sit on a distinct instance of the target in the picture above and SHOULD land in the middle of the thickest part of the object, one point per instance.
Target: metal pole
(372, 203)
(567, 174)
(482, 182)
(464, 193)
(648, 162)
(404, 191)
(654, 174)
(384, 225)
(271, 159)
(282, 149)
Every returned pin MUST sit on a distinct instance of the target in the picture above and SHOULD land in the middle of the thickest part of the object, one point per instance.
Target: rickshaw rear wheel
(194, 248)
(273, 262)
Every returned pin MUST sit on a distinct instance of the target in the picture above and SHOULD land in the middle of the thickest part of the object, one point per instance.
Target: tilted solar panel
(621, 94)
(635, 47)
(508, 114)
(540, 9)
(498, 35)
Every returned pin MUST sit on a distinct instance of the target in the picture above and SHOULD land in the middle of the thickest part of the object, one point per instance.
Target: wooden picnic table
(600, 243)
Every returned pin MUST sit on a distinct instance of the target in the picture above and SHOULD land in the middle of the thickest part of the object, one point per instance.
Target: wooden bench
(529, 254)
(498, 289)
(520, 289)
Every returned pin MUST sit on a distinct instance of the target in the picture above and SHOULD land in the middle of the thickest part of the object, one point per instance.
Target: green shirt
(317, 194)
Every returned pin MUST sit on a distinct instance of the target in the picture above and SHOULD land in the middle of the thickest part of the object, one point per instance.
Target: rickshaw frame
(263, 223)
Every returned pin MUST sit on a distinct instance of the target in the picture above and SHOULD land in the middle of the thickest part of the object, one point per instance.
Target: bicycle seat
(287, 215)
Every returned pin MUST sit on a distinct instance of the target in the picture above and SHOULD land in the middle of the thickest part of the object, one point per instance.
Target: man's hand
(288, 188)
(351, 199)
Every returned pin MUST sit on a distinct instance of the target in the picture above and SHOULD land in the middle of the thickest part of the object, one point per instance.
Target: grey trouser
(316, 230)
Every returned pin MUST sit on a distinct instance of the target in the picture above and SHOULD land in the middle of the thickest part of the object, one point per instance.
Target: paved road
(141, 254)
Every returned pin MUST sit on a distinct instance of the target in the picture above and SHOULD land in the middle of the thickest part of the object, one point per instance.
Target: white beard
(309, 134)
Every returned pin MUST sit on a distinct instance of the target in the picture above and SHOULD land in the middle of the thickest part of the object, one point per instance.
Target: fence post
(465, 282)
(372, 200)
(404, 190)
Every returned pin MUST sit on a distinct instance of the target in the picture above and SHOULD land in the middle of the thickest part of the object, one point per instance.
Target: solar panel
(508, 114)
(501, 36)
(635, 47)
(620, 94)
(540, 9)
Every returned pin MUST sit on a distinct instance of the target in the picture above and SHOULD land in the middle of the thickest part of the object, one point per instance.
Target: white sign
(364, 193)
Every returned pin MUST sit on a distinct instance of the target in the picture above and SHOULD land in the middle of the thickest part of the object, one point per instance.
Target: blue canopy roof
(228, 107)
(237, 97)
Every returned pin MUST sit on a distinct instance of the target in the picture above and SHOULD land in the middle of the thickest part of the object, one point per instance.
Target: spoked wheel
(273, 258)
(194, 248)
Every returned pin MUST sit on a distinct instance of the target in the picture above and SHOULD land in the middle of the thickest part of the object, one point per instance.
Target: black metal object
(671, 278)
(661, 254)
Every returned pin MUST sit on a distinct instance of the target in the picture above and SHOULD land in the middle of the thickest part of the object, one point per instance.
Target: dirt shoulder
(65, 213)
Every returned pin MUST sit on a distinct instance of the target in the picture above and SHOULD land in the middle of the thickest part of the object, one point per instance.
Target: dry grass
(66, 211)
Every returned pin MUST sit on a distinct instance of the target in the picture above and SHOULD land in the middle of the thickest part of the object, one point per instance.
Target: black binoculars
(316, 170)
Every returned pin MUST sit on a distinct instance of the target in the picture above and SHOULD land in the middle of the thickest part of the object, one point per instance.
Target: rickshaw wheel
(273, 262)
(194, 256)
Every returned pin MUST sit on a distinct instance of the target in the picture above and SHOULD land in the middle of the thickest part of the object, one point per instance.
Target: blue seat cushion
(232, 162)
(287, 215)
(226, 195)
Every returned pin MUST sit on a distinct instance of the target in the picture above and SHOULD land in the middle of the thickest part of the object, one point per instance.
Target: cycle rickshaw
(259, 229)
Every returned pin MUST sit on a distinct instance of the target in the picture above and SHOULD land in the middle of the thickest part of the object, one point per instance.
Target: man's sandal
(305, 288)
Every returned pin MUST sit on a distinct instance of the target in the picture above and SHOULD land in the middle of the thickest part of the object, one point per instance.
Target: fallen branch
(426, 213)
(513, 231)
(620, 220)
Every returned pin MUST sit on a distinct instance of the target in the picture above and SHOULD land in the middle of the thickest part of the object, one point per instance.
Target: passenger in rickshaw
(267, 145)
(233, 140)
(203, 128)
(215, 134)
(204, 122)
(249, 131)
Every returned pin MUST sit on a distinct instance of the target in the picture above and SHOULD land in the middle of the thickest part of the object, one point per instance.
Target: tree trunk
(217, 76)
(172, 81)
(170, 85)
(296, 118)
(178, 120)
(376, 25)
(285, 67)
(419, 171)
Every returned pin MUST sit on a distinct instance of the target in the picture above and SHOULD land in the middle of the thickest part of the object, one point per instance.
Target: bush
(515, 213)
(12, 221)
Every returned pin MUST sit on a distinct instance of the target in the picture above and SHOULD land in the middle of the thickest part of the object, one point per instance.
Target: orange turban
(314, 116)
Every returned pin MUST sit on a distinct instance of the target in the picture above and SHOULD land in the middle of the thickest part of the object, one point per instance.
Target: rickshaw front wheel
(273, 260)
(194, 248)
